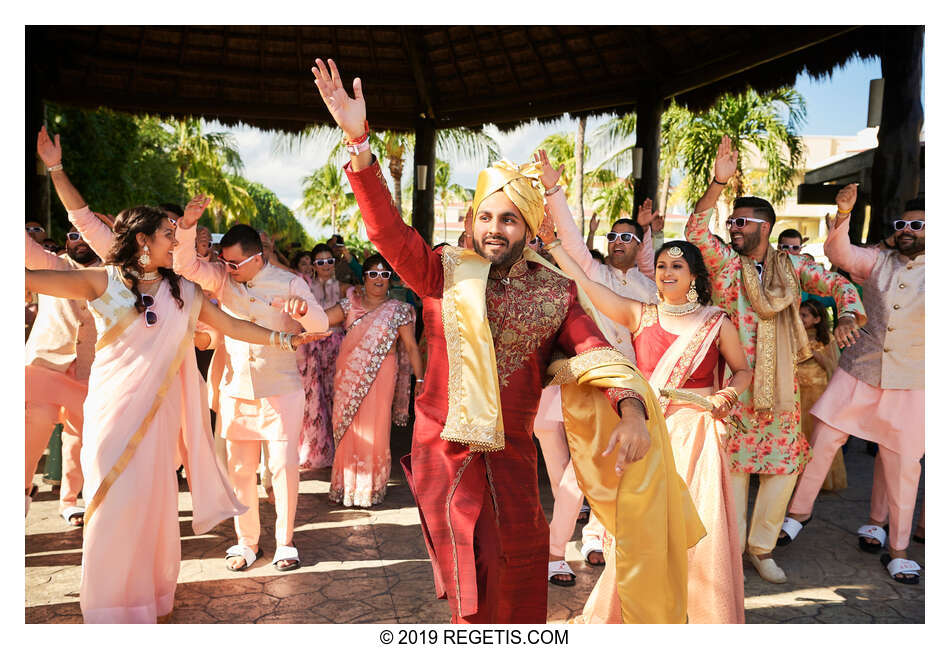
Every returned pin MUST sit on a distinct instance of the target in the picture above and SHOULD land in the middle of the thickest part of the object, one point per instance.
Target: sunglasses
(151, 318)
(626, 237)
(788, 246)
(324, 262)
(171, 220)
(916, 226)
(233, 266)
(373, 274)
(741, 221)
(34, 228)
(73, 236)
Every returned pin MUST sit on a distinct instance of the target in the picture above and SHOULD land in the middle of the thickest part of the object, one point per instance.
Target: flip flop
(792, 528)
(560, 567)
(70, 513)
(593, 545)
(868, 532)
(286, 553)
(901, 567)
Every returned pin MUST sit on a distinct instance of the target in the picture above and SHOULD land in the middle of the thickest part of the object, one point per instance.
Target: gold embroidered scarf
(474, 412)
(781, 341)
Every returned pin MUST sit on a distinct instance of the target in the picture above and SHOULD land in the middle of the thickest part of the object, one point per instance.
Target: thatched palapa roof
(456, 75)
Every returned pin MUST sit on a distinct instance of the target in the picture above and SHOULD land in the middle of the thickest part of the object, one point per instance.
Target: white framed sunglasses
(324, 262)
(151, 318)
(35, 228)
(73, 236)
(789, 247)
(373, 274)
(235, 266)
(916, 226)
(625, 237)
(741, 221)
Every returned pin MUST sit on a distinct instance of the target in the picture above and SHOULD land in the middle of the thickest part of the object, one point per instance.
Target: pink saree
(145, 409)
(371, 390)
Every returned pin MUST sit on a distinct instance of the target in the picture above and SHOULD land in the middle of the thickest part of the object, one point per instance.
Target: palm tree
(445, 190)
(613, 196)
(767, 123)
(579, 156)
(204, 162)
(325, 195)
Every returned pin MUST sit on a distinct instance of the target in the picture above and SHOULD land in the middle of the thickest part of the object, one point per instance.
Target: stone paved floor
(371, 566)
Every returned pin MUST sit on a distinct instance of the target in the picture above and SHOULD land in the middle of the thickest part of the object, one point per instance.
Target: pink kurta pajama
(144, 385)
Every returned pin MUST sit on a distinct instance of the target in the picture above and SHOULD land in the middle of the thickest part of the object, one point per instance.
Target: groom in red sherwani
(481, 514)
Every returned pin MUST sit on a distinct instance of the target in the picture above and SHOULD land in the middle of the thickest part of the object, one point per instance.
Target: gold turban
(521, 185)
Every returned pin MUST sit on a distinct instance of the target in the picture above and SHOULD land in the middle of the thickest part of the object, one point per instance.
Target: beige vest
(890, 352)
(64, 332)
(258, 371)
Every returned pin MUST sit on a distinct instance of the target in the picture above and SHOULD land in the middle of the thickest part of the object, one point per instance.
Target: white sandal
(286, 553)
(866, 532)
(593, 545)
(902, 567)
(71, 512)
(245, 553)
(560, 567)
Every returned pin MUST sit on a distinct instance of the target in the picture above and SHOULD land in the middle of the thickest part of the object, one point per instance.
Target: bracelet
(553, 190)
(420, 380)
(270, 340)
(840, 213)
(363, 138)
(717, 181)
(55, 167)
(554, 244)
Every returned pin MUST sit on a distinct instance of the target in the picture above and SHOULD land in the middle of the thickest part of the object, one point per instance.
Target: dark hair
(598, 255)
(245, 235)
(637, 228)
(790, 233)
(125, 249)
(694, 259)
(297, 257)
(173, 208)
(761, 207)
(375, 259)
(320, 247)
(821, 329)
(914, 205)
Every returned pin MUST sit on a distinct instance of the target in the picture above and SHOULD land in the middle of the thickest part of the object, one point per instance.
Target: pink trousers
(243, 459)
(41, 418)
(893, 493)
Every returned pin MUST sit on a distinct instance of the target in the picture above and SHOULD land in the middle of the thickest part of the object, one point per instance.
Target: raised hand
(349, 113)
(193, 211)
(594, 222)
(49, 150)
(726, 160)
(846, 198)
(646, 215)
(549, 177)
(546, 229)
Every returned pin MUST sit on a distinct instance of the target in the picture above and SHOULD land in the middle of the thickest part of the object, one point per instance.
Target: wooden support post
(649, 114)
(895, 173)
(423, 200)
(37, 183)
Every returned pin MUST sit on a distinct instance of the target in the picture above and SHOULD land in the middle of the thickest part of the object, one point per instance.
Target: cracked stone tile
(247, 607)
(300, 602)
(358, 587)
(217, 589)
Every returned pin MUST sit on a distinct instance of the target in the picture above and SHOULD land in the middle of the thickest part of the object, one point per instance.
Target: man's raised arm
(838, 247)
(210, 276)
(404, 248)
(715, 252)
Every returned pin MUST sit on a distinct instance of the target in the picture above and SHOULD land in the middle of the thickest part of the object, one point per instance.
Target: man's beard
(749, 242)
(908, 248)
(503, 259)
(83, 258)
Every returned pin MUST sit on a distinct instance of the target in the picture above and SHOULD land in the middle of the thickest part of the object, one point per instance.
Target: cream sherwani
(877, 392)
(635, 283)
(59, 355)
(261, 397)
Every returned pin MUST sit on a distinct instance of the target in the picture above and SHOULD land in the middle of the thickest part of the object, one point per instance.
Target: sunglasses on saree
(741, 221)
(235, 266)
(373, 274)
(626, 237)
(916, 226)
(324, 262)
(151, 318)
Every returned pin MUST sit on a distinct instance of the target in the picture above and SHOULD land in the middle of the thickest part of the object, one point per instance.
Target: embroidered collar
(518, 269)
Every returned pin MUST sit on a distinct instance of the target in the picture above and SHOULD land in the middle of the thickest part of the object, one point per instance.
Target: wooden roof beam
(419, 74)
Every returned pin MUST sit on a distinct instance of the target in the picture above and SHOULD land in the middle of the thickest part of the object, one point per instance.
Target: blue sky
(835, 106)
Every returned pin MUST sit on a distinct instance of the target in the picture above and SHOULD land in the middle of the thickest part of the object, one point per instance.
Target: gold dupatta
(126, 457)
(474, 414)
(648, 508)
(781, 342)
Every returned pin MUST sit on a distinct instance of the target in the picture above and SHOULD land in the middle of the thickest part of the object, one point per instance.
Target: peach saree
(145, 411)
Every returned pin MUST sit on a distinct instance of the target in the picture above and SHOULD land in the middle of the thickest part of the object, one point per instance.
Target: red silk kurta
(495, 571)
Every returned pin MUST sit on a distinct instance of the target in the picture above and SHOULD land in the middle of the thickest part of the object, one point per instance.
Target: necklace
(678, 309)
(146, 277)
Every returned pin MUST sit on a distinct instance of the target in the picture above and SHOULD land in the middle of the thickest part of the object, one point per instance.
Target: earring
(144, 259)
(691, 294)
(659, 298)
